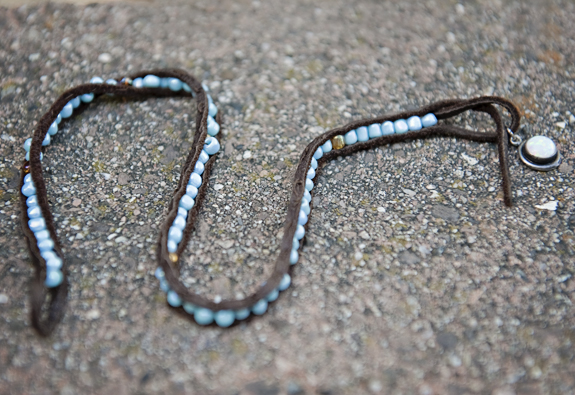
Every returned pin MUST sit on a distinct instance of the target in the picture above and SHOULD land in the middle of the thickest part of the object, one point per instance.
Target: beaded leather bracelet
(48, 291)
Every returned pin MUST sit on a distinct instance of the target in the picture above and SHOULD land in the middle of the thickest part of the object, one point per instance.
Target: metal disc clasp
(540, 153)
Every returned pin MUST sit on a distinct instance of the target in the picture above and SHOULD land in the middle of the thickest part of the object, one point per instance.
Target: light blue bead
(27, 178)
(186, 87)
(400, 126)
(327, 146)
(32, 201)
(213, 127)
(53, 128)
(224, 318)
(387, 128)
(350, 137)
(362, 134)
(210, 100)
(189, 308)
(28, 189)
(54, 263)
(318, 153)
(111, 81)
(191, 191)
(311, 173)
(293, 257)
(96, 80)
(46, 245)
(242, 314)
(164, 286)
(67, 111)
(204, 316)
(172, 246)
(175, 234)
(305, 206)
(27, 144)
(285, 282)
(46, 140)
(374, 131)
(195, 180)
(59, 119)
(47, 255)
(295, 244)
(175, 84)
(87, 97)
(414, 123)
(186, 202)
(164, 82)
(174, 299)
(199, 168)
(212, 110)
(138, 83)
(203, 157)
(53, 278)
(308, 184)
(151, 81)
(75, 102)
(302, 218)
(260, 307)
(28, 156)
(307, 195)
(179, 222)
(43, 234)
(313, 163)
(205, 87)
(159, 273)
(182, 211)
(428, 120)
(273, 295)
(299, 232)
(211, 146)
(34, 212)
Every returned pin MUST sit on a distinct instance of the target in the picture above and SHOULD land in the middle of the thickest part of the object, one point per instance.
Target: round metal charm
(540, 153)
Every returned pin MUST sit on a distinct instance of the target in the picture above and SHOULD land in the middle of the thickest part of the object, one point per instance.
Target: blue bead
(273, 295)
(179, 222)
(159, 273)
(199, 168)
(414, 123)
(53, 128)
(327, 146)
(172, 246)
(96, 80)
(318, 153)
(175, 234)
(314, 162)
(195, 180)
(32, 201)
(400, 126)
(260, 307)
(182, 211)
(191, 191)
(54, 263)
(350, 137)
(151, 81)
(164, 286)
(138, 83)
(428, 120)
(295, 244)
(46, 245)
(210, 100)
(34, 212)
(46, 140)
(305, 206)
(205, 87)
(211, 146)
(242, 314)
(186, 202)
(111, 81)
(186, 87)
(299, 232)
(189, 308)
(387, 128)
(27, 178)
(362, 134)
(311, 173)
(212, 110)
(41, 235)
(87, 97)
(224, 318)
(174, 299)
(293, 257)
(203, 157)
(27, 144)
(164, 82)
(53, 278)
(28, 189)
(213, 127)
(67, 111)
(75, 102)
(302, 218)
(28, 156)
(308, 184)
(307, 195)
(285, 282)
(47, 255)
(204, 316)
(175, 84)
(59, 119)
(374, 131)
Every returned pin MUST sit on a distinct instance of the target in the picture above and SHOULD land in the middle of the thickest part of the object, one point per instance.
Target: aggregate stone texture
(414, 277)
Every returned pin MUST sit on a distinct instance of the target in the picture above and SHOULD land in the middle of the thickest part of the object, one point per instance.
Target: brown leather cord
(56, 297)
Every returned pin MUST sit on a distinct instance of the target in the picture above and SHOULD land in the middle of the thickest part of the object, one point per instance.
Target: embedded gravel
(414, 278)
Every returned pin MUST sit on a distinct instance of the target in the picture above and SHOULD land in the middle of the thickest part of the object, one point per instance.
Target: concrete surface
(415, 278)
